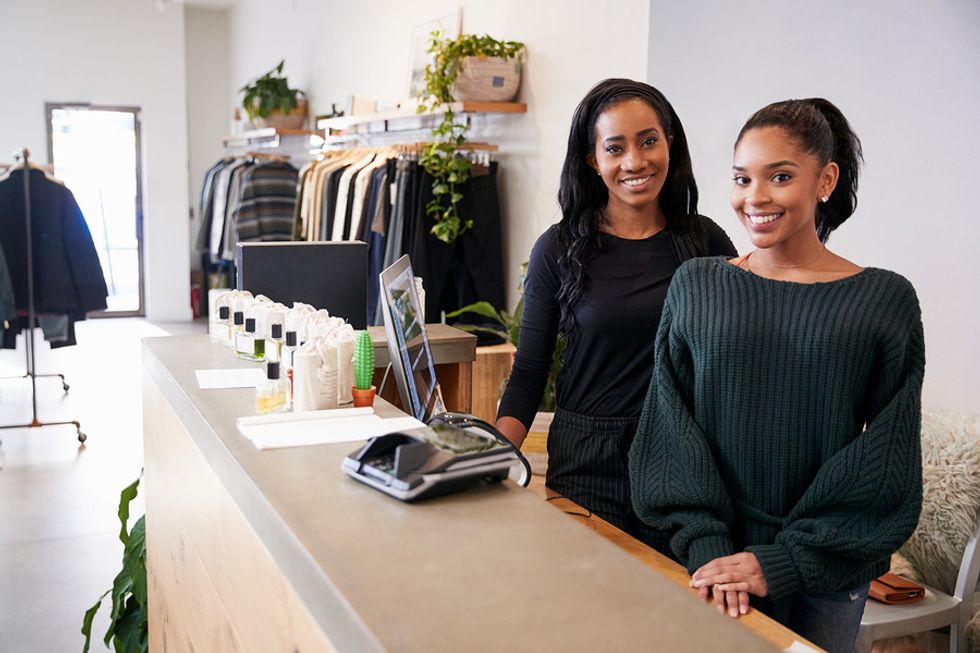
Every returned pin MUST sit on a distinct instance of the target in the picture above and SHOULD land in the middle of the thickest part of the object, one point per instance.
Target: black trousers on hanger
(471, 268)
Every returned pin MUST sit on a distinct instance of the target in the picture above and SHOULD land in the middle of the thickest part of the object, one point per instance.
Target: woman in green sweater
(780, 435)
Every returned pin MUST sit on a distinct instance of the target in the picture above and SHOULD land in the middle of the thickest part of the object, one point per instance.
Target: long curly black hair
(821, 130)
(582, 194)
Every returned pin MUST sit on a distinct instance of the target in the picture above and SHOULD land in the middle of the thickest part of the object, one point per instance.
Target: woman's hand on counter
(730, 580)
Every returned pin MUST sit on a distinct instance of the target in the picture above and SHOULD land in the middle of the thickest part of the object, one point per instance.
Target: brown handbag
(895, 590)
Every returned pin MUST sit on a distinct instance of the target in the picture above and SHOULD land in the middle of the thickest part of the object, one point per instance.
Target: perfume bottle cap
(250, 324)
(277, 331)
(223, 312)
(290, 338)
(272, 370)
(239, 318)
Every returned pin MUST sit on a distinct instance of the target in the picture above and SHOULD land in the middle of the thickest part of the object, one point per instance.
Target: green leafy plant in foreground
(508, 328)
(128, 619)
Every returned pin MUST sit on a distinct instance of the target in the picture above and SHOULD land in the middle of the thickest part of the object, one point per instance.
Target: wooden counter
(777, 634)
(278, 550)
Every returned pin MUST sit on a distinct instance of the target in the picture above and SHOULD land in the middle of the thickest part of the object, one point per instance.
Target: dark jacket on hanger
(8, 309)
(67, 273)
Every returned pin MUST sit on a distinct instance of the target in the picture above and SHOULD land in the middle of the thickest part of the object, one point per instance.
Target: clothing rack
(270, 156)
(25, 162)
(335, 143)
(35, 166)
(477, 153)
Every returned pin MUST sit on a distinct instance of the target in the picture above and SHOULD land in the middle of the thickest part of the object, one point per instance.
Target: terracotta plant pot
(292, 120)
(363, 398)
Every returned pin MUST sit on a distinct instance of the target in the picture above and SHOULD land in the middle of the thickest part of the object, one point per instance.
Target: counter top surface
(493, 567)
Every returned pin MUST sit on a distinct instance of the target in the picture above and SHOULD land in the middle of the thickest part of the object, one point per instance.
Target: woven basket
(276, 118)
(487, 79)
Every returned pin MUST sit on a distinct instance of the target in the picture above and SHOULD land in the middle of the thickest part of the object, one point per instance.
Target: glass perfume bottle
(248, 346)
(288, 352)
(237, 327)
(272, 395)
(274, 345)
(220, 327)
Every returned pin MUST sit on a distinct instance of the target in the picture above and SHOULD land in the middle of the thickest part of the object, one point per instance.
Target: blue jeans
(829, 619)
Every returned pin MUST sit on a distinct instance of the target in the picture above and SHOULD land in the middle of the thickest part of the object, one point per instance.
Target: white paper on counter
(322, 430)
(232, 378)
(303, 415)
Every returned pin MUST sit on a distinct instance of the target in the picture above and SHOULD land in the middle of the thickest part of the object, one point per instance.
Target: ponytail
(823, 131)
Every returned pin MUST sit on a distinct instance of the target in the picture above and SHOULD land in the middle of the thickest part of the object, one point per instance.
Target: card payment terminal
(439, 459)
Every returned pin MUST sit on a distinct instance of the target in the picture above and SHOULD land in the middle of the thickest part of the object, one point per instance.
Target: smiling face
(632, 154)
(777, 186)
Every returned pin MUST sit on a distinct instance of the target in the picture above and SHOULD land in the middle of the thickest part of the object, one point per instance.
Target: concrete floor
(59, 547)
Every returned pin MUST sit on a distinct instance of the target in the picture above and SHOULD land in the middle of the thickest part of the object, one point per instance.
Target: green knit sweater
(783, 419)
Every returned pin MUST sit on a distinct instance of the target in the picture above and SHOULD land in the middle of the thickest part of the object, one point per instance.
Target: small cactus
(363, 361)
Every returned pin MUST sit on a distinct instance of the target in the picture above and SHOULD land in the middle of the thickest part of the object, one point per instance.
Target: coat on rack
(67, 274)
(8, 309)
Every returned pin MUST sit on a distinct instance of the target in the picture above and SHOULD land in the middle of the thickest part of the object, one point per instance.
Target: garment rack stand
(31, 318)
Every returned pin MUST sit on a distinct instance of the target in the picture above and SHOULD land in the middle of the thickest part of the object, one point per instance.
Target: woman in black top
(600, 276)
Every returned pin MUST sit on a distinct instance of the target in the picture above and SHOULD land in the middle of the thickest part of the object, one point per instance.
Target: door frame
(49, 108)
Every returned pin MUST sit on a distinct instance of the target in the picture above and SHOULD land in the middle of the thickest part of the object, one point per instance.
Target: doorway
(95, 150)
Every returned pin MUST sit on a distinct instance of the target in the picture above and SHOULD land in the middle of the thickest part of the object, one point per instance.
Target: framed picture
(449, 25)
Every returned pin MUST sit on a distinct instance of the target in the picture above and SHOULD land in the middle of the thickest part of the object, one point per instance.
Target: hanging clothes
(206, 205)
(220, 216)
(67, 274)
(246, 199)
(268, 198)
(8, 306)
(379, 196)
(470, 269)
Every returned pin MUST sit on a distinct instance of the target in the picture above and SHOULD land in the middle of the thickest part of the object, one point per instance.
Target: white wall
(112, 52)
(907, 76)
(209, 111)
(338, 48)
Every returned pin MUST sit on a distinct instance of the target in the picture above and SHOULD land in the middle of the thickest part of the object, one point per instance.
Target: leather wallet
(895, 590)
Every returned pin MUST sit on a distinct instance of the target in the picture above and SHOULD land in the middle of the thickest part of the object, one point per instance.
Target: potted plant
(128, 630)
(508, 327)
(270, 102)
(456, 74)
(363, 390)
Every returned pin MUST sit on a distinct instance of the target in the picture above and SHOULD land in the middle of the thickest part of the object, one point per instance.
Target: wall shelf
(409, 114)
(266, 137)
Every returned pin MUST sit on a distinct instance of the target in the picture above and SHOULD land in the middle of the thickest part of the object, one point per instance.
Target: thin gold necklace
(745, 261)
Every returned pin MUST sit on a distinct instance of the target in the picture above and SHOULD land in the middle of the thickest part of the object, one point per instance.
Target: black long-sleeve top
(609, 353)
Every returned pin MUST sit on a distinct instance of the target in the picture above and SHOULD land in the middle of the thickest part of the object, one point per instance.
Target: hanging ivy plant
(441, 157)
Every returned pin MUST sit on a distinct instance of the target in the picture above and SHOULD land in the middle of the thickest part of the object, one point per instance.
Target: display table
(453, 353)
(277, 550)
